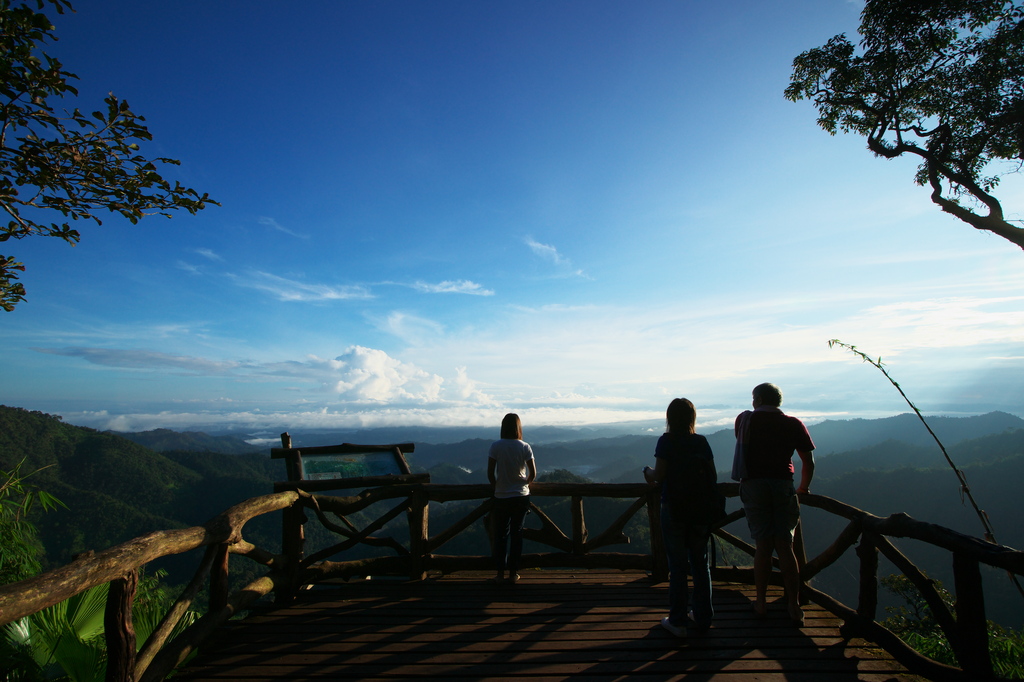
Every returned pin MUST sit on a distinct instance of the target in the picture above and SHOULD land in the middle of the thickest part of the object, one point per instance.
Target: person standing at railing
(763, 464)
(690, 502)
(510, 469)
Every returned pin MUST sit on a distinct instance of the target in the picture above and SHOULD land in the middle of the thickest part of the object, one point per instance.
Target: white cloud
(194, 269)
(111, 334)
(462, 286)
(273, 224)
(144, 359)
(366, 374)
(467, 390)
(411, 329)
(290, 290)
(573, 398)
(209, 254)
(546, 251)
(358, 374)
(956, 322)
(351, 417)
(550, 253)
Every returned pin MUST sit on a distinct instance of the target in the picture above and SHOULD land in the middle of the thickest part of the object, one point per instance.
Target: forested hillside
(115, 489)
(166, 440)
(933, 495)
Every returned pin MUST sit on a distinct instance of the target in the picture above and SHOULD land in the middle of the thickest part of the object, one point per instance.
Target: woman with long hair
(510, 469)
(683, 459)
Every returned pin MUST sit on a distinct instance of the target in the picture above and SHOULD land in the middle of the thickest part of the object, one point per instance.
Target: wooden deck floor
(553, 625)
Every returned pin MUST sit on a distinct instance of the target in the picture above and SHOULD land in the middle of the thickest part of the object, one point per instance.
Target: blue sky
(438, 212)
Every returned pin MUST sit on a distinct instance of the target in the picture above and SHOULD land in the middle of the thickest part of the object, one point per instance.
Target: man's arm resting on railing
(806, 471)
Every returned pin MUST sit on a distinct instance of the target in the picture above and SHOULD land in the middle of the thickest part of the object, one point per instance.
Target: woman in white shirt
(510, 469)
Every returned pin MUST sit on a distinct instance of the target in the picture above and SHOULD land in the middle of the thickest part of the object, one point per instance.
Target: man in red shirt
(763, 464)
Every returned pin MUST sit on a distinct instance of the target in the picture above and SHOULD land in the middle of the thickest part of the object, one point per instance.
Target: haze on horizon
(436, 213)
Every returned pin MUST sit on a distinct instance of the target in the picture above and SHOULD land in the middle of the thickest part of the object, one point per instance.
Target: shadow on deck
(553, 625)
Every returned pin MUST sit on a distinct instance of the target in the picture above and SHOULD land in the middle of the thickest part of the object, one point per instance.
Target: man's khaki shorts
(772, 507)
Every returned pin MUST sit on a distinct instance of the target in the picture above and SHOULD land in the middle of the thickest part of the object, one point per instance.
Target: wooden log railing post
(971, 644)
(403, 465)
(292, 532)
(119, 630)
(178, 649)
(219, 578)
(292, 541)
(800, 551)
(419, 534)
(291, 464)
(925, 585)
(799, 548)
(163, 632)
(867, 600)
(659, 559)
(579, 526)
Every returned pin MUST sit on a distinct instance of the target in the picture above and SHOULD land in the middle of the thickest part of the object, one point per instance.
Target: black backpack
(699, 502)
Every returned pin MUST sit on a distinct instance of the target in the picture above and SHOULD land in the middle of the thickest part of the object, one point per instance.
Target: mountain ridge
(831, 435)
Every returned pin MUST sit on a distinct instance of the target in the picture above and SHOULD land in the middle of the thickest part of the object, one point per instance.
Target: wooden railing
(412, 496)
(119, 566)
(575, 549)
(966, 629)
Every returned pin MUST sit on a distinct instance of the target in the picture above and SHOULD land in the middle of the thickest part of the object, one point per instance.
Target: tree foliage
(20, 548)
(562, 476)
(55, 160)
(914, 623)
(941, 80)
(66, 641)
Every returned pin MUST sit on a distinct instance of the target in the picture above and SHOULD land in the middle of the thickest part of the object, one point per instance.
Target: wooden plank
(554, 625)
(251, 676)
(613, 677)
(643, 649)
(768, 670)
(342, 449)
(607, 640)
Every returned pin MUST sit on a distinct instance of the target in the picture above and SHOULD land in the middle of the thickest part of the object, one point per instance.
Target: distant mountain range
(842, 436)
(418, 434)
(165, 440)
(831, 436)
(868, 443)
(610, 449)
